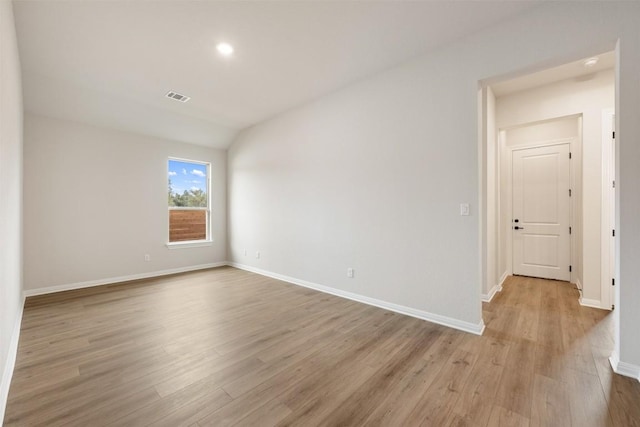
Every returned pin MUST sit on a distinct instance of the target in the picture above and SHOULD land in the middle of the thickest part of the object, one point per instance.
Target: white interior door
(541, 212)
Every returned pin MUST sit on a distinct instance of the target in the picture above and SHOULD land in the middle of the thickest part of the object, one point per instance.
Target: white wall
(371, 176)
(489, 175)
(95, 201)
(586, 97)
(340, 184)
(10, 198)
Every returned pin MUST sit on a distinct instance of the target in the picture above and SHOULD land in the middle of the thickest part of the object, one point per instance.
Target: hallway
(558, 367)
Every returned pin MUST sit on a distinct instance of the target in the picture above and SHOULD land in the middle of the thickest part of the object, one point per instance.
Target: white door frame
(608, 212)
(572, 208)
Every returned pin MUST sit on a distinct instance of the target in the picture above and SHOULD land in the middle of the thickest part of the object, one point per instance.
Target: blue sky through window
(187, 176)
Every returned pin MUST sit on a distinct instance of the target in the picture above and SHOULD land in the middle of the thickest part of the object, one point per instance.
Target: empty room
(390, 213)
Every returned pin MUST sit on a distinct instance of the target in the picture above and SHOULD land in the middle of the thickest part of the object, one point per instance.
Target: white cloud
(194, 188)
(198, 173)
(172, 173)
(184, 171)
(195, 181)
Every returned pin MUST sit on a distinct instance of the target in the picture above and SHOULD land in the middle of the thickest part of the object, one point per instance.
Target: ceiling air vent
(175, 95)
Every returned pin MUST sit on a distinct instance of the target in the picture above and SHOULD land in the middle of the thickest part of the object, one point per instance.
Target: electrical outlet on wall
(257, 254)
(147, 257)
(350, 272)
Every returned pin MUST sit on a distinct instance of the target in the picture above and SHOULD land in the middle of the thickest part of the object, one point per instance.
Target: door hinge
(569, 269)
(613, 282)
(613, 184)
(613, 233)
(569, 154)
(613, 135)
(569, 230)
(569, 192)
(613, 307)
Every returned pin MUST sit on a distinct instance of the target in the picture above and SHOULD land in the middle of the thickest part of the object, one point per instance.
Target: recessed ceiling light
(590, 62)
(225, 49)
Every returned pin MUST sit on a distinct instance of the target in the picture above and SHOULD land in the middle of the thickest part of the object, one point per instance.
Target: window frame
(208, 240)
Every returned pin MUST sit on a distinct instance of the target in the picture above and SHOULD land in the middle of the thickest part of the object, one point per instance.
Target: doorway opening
(547, 178)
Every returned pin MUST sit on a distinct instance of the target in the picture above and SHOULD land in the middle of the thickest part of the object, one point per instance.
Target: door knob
(518, 228)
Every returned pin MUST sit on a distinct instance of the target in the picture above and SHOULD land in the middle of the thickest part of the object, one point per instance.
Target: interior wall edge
(10, 363)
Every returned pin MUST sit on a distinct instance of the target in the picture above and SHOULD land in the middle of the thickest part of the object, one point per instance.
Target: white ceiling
(111, 63)
(572, 70)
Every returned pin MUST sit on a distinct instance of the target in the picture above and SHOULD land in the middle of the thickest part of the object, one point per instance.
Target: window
(189, 203)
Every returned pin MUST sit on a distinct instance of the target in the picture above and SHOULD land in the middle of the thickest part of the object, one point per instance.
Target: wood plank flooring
(225, 347)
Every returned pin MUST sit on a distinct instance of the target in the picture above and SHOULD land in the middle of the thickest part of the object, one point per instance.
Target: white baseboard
(593, 303)
(497, 288)
(586, 302)
(623, 368)
(111, 280)
(503, 278)
(488, 297)
(476, 329)
(7, 372)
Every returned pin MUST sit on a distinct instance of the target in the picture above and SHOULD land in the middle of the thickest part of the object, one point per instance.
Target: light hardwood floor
(227, 347)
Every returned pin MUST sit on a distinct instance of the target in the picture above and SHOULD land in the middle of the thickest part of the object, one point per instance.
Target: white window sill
(189, 244)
